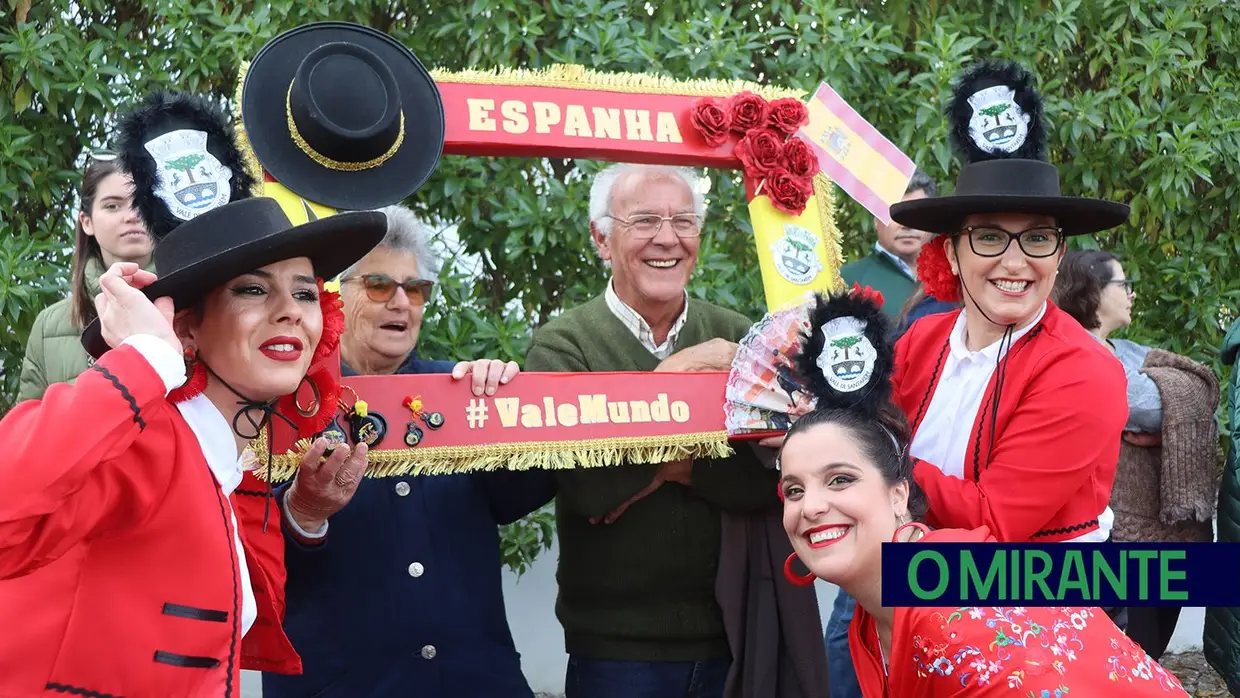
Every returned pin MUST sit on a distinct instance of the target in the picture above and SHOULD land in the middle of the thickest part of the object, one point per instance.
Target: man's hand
(680, 471)
(124, 310)
(713, 355)
(1143, 439)
(323, 487)
(488, 374)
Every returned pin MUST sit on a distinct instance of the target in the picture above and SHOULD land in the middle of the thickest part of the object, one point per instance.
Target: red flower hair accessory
(333, 322)
(868, 293)
(935, 272)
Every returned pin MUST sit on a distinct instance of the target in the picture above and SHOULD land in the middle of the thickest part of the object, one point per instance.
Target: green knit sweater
(643, 588)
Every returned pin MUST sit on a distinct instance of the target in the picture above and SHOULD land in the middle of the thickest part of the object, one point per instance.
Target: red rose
(788, 193)
(800, 158)
(787, 115)
(760, 152)
(748, 112)
(711, 121)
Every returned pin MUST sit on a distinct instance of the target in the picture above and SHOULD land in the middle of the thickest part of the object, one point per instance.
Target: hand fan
(829, 347)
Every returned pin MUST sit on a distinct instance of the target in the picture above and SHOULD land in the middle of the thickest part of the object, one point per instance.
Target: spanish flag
(867, 166)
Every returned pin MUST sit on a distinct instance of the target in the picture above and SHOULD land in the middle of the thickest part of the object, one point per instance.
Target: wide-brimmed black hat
(242, 236)
(343, 115)
(997, 129)
(181, 151)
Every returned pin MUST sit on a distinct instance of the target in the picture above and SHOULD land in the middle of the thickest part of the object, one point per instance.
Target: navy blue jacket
(405, 597)
(927, 306)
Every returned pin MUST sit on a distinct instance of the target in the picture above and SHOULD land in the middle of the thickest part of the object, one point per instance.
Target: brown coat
(1166, 493)
(773, 628)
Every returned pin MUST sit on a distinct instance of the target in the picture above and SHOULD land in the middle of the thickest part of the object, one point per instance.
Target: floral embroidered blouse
(1053, 652)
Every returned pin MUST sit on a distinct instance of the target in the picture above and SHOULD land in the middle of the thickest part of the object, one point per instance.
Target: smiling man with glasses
(644, 587)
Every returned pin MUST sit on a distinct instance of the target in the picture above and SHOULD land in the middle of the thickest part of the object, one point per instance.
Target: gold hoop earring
(313, 409)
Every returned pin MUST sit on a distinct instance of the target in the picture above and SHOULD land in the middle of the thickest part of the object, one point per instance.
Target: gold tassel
(825, 193)
(579, 77)
(548, 455)
(248, 158)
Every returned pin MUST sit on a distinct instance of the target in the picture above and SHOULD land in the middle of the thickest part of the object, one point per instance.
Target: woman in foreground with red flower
(125, 570)
(847, 485)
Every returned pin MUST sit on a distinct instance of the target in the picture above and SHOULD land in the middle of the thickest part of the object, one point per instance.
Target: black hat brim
(332, 244)
(946, 214)
(264, 115)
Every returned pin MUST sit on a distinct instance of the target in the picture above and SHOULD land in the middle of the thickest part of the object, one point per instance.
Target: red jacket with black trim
(1062, 408)
(118, 571)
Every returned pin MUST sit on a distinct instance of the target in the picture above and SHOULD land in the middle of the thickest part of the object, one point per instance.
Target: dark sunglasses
(104, 155)
(380, 288)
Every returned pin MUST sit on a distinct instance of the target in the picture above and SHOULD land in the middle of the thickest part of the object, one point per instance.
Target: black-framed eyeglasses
(1039, 241)
(104, 155)
(380, 288)
(685, 225)
(1126, 284)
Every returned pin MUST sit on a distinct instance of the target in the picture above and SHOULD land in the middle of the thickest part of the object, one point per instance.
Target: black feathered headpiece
(180, 150)
(846, 357)
(997, 128)
(996, 112)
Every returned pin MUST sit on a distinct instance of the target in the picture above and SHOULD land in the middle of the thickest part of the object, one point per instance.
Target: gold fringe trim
(549, 455)
(578, 77)
(825, 193)
(248, 158)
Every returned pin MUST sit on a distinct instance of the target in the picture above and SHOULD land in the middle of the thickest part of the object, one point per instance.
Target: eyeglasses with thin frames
(1039, 241)
(380, 288)
(644, 226)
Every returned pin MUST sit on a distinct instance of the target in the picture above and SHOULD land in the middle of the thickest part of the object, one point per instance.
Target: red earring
(917, 525)
(794, 578)
(195, 382)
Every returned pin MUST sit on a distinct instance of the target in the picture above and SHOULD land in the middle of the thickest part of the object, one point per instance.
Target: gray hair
(405, 233)
(922, 182)
(605, 182)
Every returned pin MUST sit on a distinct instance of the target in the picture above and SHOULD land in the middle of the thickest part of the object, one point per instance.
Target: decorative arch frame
(569, 111)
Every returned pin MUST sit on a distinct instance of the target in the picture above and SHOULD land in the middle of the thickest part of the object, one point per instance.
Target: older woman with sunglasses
(404, 593)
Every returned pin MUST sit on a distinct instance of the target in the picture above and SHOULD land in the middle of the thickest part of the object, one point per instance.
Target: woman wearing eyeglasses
(1161, 494)
(1011, 402)
(403, 591)
(108, 230)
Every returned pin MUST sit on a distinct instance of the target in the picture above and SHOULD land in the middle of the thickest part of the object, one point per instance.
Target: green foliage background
(1141, 98)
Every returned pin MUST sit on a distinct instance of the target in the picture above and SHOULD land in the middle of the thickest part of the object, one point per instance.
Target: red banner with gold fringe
(433, 424)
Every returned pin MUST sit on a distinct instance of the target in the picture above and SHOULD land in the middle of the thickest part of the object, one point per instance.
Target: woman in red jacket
(123, 570)
(1016, 410)
(1010, 399)
(847, 485)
